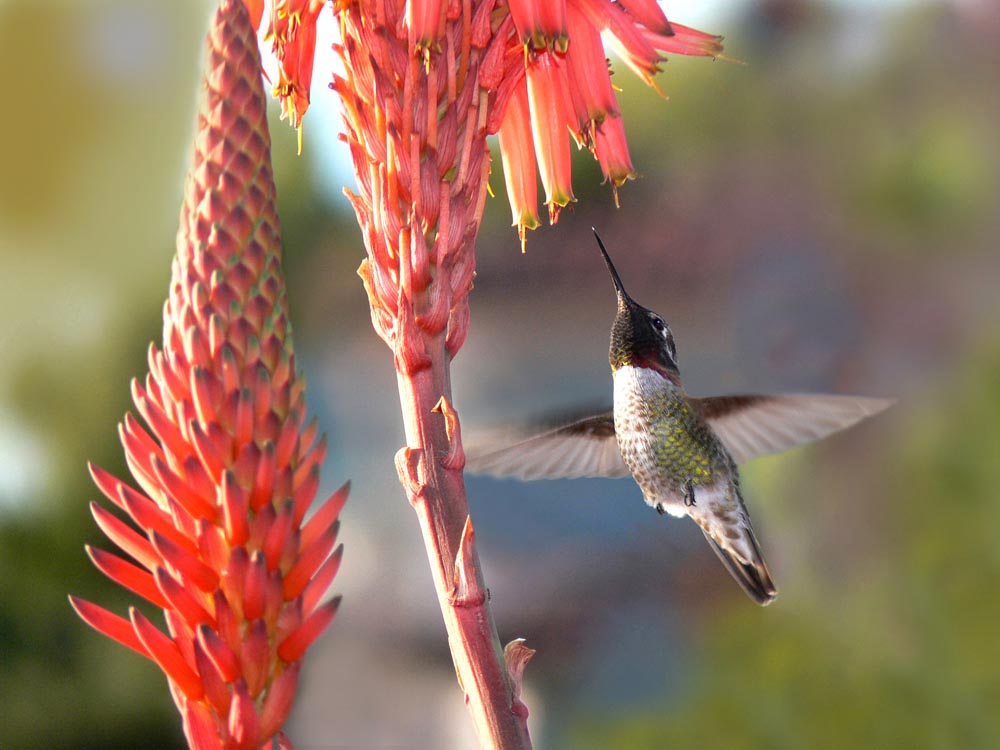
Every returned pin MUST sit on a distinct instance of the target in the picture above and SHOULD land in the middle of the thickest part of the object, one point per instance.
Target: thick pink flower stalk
(226, 465)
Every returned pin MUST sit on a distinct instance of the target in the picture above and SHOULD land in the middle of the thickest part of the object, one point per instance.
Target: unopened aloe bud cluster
(226, 465)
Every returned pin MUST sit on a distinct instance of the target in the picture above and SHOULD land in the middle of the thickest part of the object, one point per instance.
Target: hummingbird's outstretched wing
(582, 448)
(751, 426)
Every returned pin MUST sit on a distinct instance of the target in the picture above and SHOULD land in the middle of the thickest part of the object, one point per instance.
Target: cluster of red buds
(227, 466)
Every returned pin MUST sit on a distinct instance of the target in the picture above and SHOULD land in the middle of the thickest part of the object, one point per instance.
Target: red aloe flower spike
(517, 152)
(227, 469)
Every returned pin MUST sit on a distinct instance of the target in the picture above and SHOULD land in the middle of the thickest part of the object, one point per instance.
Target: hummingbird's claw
(659, 509)
(689, 494)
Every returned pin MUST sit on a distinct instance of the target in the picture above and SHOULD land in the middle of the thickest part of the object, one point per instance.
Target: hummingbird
(683, 451)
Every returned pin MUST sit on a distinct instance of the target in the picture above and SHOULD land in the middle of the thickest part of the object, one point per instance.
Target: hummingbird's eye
(658, 324)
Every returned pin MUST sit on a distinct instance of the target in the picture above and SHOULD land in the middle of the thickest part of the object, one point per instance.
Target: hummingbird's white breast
(638, 425)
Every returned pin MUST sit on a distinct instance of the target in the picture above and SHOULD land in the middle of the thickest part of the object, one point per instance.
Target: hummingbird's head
(639, 337)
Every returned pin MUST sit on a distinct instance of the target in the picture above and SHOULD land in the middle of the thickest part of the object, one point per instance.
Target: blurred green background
(822, 218)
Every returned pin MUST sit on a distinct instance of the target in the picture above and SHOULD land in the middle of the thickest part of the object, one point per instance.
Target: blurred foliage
(906, 656)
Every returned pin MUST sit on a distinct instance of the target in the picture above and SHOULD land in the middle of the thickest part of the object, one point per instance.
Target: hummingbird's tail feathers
(752, 576)
(582, 448)
(720, 512)
(751, 426)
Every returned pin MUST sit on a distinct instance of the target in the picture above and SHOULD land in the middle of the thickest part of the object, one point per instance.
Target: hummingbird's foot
(689, 494)
(659, 508)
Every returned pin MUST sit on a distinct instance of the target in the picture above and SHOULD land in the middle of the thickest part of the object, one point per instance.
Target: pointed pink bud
(304, 493)
(188, 565)
(279, 535)
(180, 599)
(108, 624)
(263, 484)
(212, 545)
(127, 540)
(255, 657)
(517, 152)
(243, 723)
(611, 149)
(216, 690)
(649, 14)
(159, 423)
(260, 525)
(150, 517)
(182, 491)
(124, 573)
(686, 41)
(293, 647)
(233, 579)
(199, 727)
(167, 656)
(255, 587)
(224, 658)
(319, 584)
(210, 450)
(278, 703)
(325, 517)
(235, 507)
(107, 483)
(308, 563)
(551, 115)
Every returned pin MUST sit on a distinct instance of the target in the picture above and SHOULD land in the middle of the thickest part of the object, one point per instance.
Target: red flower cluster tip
(545, 70)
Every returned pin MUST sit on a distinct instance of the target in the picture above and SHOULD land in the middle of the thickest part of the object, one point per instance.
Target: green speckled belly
(664, 442)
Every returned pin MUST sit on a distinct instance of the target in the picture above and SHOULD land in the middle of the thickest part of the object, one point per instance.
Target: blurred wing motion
(748, 426)
(582, 448)
(751, 426)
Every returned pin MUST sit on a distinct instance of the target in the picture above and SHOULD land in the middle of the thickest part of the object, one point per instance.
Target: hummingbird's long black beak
(619, 287)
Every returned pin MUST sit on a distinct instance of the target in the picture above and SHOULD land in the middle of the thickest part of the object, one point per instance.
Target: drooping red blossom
(292, 33)
(556, 45)
(226, 465)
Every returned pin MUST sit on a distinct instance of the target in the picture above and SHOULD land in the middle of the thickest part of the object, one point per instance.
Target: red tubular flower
(540, 25)
(686, 41)
(592, 94)
(649, 14)
(292, 32)
(557, 40)
(551, 117)
(519, 162)
(423, 18)
(611, 150)
(227, 465)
